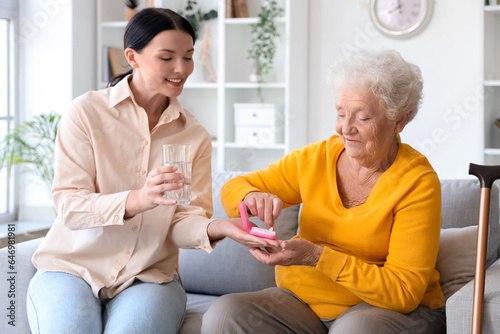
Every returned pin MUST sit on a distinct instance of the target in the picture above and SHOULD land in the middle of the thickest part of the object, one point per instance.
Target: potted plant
(195, 16)
(31, 143)
(132, 8)
(263, 41)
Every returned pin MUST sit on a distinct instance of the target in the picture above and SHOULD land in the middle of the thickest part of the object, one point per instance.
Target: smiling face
(164, 64)
(362, 123)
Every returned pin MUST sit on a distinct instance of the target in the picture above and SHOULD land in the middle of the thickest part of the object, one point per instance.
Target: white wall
(45, 64)
(83, 47)
(45, 41)
(448, 128)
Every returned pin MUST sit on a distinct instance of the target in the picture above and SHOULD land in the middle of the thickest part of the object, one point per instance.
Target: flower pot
(129, 13)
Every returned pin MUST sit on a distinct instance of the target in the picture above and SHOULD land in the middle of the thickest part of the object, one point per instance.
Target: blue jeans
(64, 303)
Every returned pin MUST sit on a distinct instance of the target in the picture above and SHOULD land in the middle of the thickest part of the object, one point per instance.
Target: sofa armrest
(14, 285)
(459, 306)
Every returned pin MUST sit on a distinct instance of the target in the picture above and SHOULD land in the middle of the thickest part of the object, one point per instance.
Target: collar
(173, 111)
(120, 92)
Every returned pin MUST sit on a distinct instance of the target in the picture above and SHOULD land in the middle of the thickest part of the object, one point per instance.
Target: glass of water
(179, 155)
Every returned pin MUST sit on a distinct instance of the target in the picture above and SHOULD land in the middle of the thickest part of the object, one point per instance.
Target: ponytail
(116, 79)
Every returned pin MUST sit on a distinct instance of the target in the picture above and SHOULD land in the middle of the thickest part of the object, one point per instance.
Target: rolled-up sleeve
(189, 227)
(74, 190)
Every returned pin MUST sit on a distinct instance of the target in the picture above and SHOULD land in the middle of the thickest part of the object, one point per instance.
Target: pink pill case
(258, 232)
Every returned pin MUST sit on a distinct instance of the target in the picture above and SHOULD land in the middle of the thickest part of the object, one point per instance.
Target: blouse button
(135, 228)
(143, 172)
(112, 277)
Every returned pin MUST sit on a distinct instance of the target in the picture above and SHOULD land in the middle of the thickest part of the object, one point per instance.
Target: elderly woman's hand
(266, 206)
(294, 252)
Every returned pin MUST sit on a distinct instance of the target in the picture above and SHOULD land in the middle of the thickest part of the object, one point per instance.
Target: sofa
(231, 268)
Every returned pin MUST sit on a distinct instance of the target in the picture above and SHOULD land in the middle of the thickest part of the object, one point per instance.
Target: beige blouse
(104, 150)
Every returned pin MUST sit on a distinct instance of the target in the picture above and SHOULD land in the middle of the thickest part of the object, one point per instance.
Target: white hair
(397, 83)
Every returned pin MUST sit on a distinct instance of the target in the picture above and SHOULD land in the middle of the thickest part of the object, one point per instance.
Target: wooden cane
(486, 175)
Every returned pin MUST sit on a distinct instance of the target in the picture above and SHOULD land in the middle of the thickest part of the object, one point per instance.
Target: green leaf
(195, 16)
(263, 40)
(31, 144)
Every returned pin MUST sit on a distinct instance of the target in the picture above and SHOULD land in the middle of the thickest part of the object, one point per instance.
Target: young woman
(109, 263)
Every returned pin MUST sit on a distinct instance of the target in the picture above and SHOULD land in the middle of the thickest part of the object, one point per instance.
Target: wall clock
(401, 18)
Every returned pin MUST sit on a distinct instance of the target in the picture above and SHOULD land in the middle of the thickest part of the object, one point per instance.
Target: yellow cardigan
(382, 252)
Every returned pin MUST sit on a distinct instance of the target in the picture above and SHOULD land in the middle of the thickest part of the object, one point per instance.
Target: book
(117, 61)
(497, 122)
(240, 8)
(229, 9)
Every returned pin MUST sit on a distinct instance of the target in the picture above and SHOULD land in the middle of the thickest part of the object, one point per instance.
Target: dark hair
(145, 25)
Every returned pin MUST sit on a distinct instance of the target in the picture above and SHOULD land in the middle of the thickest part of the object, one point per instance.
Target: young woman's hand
(266, 206)
(159, 180)
(233, 228)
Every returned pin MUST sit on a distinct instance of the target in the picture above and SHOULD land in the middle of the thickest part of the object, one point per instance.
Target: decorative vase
(254, 72)
(129, 13)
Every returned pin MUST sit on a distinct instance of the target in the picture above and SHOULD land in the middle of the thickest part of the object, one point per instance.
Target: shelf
(492, 151)
(492, 83)
(257, 147)
(114, 24)
(212, 103)
(191, 85)
(495, 9)
(255, 85)
(251, 20)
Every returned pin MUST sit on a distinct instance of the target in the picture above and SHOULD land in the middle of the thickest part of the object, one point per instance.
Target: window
(7, 109)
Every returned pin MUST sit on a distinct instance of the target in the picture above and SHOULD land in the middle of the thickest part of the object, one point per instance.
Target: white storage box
(258, 124)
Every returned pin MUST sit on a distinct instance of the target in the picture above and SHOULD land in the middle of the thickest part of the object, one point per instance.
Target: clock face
(400, 17)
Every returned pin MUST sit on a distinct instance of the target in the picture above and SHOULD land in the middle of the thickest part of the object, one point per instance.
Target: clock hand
(397, 7)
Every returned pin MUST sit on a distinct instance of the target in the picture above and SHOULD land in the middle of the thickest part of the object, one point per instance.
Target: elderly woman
(364, 258)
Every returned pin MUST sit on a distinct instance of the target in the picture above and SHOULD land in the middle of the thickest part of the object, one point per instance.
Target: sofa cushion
(231, 267)
(24, 271)
(196, 306)
(459, 306)
(460, 208)
(456, 258)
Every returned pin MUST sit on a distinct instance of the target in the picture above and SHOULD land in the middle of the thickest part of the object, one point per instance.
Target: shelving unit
(491, 85)
(212, 102)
